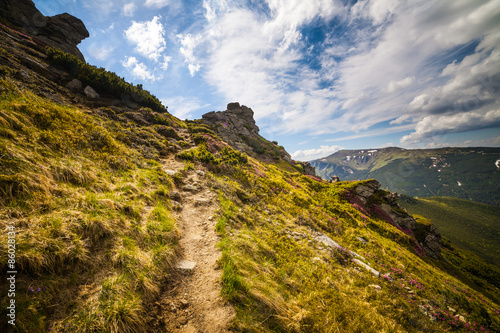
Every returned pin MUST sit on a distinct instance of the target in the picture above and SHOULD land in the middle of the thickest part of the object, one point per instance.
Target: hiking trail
(192, 301)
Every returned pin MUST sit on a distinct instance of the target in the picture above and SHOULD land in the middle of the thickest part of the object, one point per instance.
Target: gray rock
(200, 173)
(62, 31)
(185, 265)
(366, 266)
(90, 92)
(75, 85)
(362, 240)
(176, 206)
(189, 188)
(375, 286)
(201, 202)
(174, 195)
(365, 191)
(169, 172)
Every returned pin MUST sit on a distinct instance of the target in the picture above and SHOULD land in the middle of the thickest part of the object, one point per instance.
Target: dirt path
(192, 302)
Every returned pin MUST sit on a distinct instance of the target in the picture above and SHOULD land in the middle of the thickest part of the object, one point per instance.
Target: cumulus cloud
(166, 61)
(451, 123)
(138, 69)
(148, 37)
(312, 154)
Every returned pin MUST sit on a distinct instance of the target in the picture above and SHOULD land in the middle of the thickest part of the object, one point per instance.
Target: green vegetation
(94, 233)
(105, 82)
(469, 225)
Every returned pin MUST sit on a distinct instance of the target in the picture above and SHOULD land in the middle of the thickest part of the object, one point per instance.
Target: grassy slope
(75, 190)
(283, 284)
(470, 225)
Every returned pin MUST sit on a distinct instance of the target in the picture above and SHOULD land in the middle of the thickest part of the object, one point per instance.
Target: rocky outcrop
(308, 168)
(237, 127)
(62, 31)
(370, 198)
(233, 123)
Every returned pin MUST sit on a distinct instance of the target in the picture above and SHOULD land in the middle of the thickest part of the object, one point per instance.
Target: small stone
(190, 188)
(200, 173)
(451, 309)
(90, 92)
(176, 206)
(75, 85)
(362, 240)
(411, 292)
(201, 202)
(184, 303)
(174, 195)
(185, 265)
(375, 286)
(183, 320)
(169, 172)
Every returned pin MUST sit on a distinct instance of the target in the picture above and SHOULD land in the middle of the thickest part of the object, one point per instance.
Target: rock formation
(62, 31)
(237, 127)
(384, 203)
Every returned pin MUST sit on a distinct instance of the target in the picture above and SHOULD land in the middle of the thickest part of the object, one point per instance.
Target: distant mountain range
(467, 173)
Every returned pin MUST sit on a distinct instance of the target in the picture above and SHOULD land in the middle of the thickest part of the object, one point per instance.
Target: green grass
(469, 225)
(76, 189)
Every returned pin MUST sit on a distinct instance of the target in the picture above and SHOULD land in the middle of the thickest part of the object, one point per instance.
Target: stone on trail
(185, 265)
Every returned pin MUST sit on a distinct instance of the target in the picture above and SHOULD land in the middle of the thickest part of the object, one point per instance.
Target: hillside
(127, 219)
(469, 225)
(466, 173)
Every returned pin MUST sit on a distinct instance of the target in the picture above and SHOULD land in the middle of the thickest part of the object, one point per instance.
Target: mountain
(119, 217)
(466, 173)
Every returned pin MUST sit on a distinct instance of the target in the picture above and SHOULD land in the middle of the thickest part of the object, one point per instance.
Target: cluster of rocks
(429, 238)
(62, 31)
(77, 86)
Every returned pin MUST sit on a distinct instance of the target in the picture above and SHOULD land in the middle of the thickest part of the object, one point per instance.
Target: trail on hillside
(192, 300)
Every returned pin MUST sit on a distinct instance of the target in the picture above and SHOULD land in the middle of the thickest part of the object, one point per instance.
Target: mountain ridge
(467, 173)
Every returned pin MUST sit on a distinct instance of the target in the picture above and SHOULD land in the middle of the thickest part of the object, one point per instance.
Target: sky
(320, 75)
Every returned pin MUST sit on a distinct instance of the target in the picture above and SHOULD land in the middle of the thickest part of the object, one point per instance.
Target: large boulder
(62, 31)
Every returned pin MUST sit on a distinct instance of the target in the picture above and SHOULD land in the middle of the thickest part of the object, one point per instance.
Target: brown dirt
(192, 300)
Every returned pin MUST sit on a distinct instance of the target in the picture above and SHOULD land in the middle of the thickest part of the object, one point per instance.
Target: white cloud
(148, 37)
(138, 69)
(396, 85)
(166, 61)
(435, 125)
(189, 44)
(312, 154)
(157, 3)
(129, 9)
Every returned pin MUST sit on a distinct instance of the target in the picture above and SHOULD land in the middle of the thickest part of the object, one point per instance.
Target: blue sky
(320, 75)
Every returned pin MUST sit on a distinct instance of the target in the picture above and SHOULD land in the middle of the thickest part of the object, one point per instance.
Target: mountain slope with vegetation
(470, 225)
(466, 173)
(102, 190)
